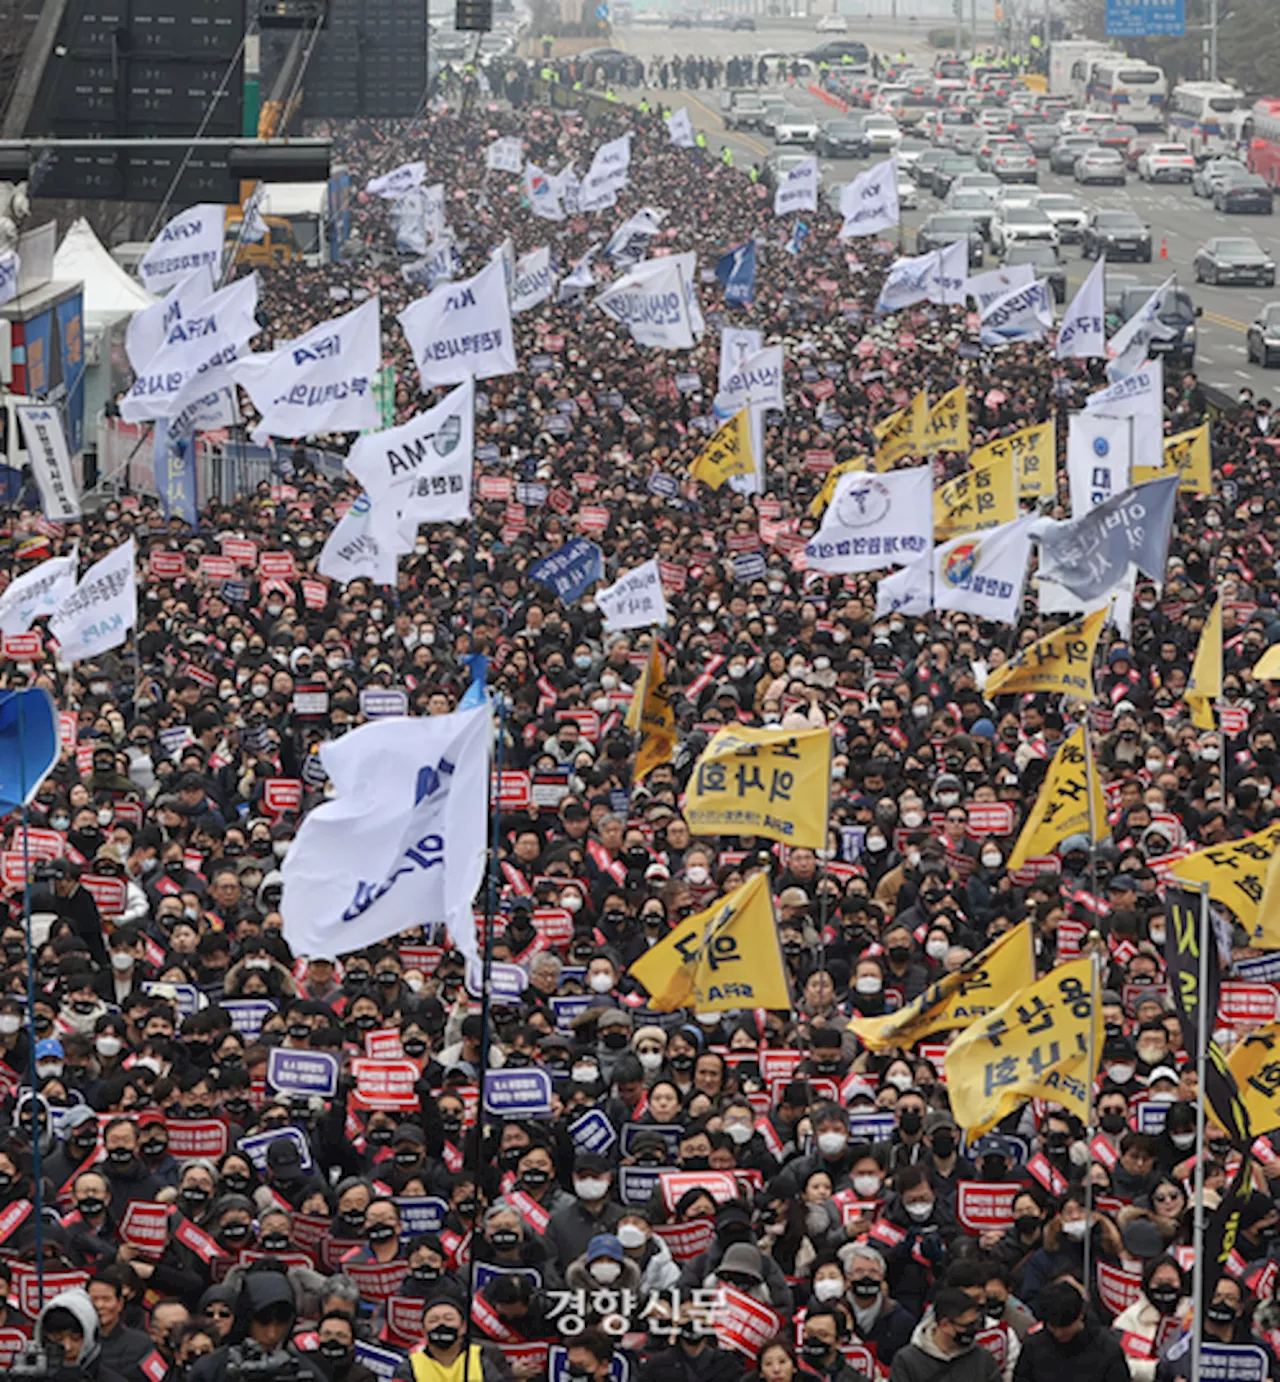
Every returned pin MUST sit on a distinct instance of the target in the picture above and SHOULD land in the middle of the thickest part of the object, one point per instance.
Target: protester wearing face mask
(945, 1346)
(605, 1265)
(824, 1330)
(734, 1230)
(440, 1359)
(1063, 1248)
(592, 1211)
(650, 1046)
(127, 1177)
(1164, 1296)
(946, 1166)
(831, 1152)
(921, 1254)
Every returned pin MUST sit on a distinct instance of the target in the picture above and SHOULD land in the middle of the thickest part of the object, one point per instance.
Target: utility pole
(1213, 40)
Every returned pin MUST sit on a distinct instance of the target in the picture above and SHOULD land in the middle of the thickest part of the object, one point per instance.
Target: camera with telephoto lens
(247, 1362)
(36, 1362)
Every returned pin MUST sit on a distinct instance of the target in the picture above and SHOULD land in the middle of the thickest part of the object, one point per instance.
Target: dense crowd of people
(433, 1242)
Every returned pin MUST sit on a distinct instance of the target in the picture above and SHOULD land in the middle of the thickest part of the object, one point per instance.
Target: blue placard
(255, 1147)
(748, 566)
(637, 1183)
(1265, 969)
(248, 1014)
(670, 1133)
(234, 592)
(592, 1132)
(420, 1214)
(489, 1272)
(524, 1093)
(505, 981)
(1232, 1362)
(302, 1072)
(568, 1007)
(531, 492)
(570, 569)
(1146, 18)
(1151, 1118)
(382, 1362)
(872, 1127)
(186, 996)
(384, 702)
(663, 484)
(558, 1365)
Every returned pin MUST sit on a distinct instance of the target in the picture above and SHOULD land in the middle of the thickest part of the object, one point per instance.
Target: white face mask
(632, 1236)
(588, 1188)
(876, 844)
(650, 1061)
(991, 859)
(899, 1081)
(912, 819)
(571, 902)
(1074, 1229)
(584, 1074)
(828, 1289)
(9, 1023)
(1121, 1074)
(867, 1187)
(739, 1132)
(920, 1212)
(867, 985)
(936, 949)
(832, 1143)
(121, 960)
(606, 1273)
(1156, 934)
(600, 983)
(1182, 1140)
(696, 874)
(108, 1046)
(48, 1068)
(948, 798)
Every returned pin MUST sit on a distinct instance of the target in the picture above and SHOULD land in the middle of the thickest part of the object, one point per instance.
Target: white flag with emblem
(1099, 459)
(98, 614)
(909, 591)
(984, 573)
(908, 281)
(147, 329)
(398, 182)
(995, 283)
(874, 522)
(651, 302)
(352, 552)
(1025, 314)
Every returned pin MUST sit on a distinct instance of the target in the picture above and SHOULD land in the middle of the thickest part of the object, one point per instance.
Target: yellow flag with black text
(1037, 1044)
(1034, 457)
(1187, 455)
(1236, 873)
(1060, 662)
(1255, 1062)
(904, 433)
(723, 958)
(771, 782)
(978, 987)
(1204, 685)
(728, 453)
(947, 427)
(819, 502)
(1062, 806)
(975, 500)
(651, 711)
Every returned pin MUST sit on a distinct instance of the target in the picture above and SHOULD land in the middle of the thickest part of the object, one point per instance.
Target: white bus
(1132, 91)
(1207, 117)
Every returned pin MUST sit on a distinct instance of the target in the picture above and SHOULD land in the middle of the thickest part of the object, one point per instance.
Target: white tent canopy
(108, 290)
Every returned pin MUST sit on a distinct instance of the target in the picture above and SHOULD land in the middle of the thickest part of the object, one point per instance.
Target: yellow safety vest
(726, 156)
(426, 1369)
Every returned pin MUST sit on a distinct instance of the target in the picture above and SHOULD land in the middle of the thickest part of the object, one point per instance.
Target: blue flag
(570, 569)
(799, 234)
(175, 465)
(737, 271)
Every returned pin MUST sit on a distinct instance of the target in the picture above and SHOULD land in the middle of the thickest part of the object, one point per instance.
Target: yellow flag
(1255, 1063)
(978, 987)
(1037, 1044)
(902, 433)
(726, 957)
(978, 499)
(823, 497)
(1062, 806)
(1267, 667)
(1237, 877)
(947, 427)
(1033, 451)
(1061, 661)
(653, 716)
(1204, 685)
(771, 782)
(1266, 927)
(728, 453)
(1186, 454)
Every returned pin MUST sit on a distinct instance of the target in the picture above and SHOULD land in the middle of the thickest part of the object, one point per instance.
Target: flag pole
(37, 1192)
(1095, 960)
(1202, 1061)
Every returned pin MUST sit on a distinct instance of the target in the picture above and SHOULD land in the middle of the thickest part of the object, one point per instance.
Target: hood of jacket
(922, 1338)
(78, 1303)
(260, 1291)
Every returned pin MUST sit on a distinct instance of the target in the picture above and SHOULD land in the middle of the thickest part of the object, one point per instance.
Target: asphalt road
(1184, 222)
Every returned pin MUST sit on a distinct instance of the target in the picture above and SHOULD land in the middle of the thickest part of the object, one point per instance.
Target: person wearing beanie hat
(604, 1266)
(441, 1359)
(650, 1045)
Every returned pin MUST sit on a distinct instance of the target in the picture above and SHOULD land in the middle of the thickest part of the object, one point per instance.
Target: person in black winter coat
(127, 1178)
(1070, 1346)
(878, 1319)
(921, 1254)
(693, 1357)
(265, 1316)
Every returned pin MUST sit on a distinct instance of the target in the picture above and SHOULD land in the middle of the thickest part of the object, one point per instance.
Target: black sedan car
(1234, 259)
(945, 172)
(945, 228)
(1243, 191)
(1045, 260)
(840, 139)
(1118, 235)
(1262, 339)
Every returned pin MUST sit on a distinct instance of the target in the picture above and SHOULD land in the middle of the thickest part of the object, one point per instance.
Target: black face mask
(965, 1337)
(233, 1233)
(353, 1219)
(366, 1022)
(237, 1108)
(379, 1137)
(195, 1195)
(91, 1206)
(681, 1062)
(425, 1273)
(865, 1289)
(120, 1156)
(452, 1126)
(466, 1208)
(944, 1143)
(336, 1351)
(407, 1159)
(1164, 1298)
(1027, 1224)
(899, 954)
(443, 1336)
(1220, 1312)
(274, 1242)
(696, 1163)
(415, 1047)
(504, 1239)
(235, 1183)
(814, 1350)
(299, 1031)
(535, 1178)
(993, 1169)
(1113, 1123)
(381, 1233)
(911, 1122)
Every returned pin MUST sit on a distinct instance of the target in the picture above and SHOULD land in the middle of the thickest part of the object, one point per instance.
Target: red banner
(281, 794)
(383, 1044)
(23, 647)
(217, 568)
(240, 550)
(385, 1084)
(592, 518)
(12, 1217)
(981, 1206)
(404, 1319)
(743, 1324)
(108, 893)
(377, 1280)
(12, 1342)
(279, 565)
(686, 1241)
(1117, 1289)
(989, 818)
(720, 1185)
(192, 1236)
(1246, 1005)
(196, 1137)
(166, 566)
(146, 1226)
(26, 1286)
(309, 1229)
(315, 594)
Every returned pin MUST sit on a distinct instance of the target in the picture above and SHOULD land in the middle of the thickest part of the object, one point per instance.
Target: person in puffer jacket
(944, 1349)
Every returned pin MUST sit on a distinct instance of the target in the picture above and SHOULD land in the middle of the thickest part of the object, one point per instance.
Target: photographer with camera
(257, 1346)
(66, 1344)
(56, 888)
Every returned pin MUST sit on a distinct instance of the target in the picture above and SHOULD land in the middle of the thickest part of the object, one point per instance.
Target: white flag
(630, 242)
(46, 444)
(533, 282)
(37, 592)
(984, 573)
(147, 329)
(568, 188)
(352, 551)
(680, 129)
(757, 380)
(908, 282)
(321, 382)
(874, 522)
(1139, 396)
(1099, 459)
(797, 190)
(1025, 314)
(607, 175)
(1083, 333)
(996, 283)
(581, 277)
(909, 591)
(635, 600)
(462, 330)
(253, 229)
(542, 193)
(401, 845)
(651, 302)
(419, 472)
(736, 343)
(869, 204)
(399, 181)
(193, 239)
(505, 155)
(1128, 347)
(197, 353)
(10, 273)
(98, 614)
(1055, 598)
(949, 277)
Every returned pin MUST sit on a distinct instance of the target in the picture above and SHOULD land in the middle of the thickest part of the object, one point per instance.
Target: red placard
(981, 1206)
(533, 1356)
(217, 567)
(27, 1287)
(23, 647)
(673, 576)
(166, 566)
(588, 721)
(385, 1084)
(1117, 1289)
(108, 893)
(281, 794)
(13, 1217)
(315, 593)
(989, 818)
(68, 728)
(554, 925)
(592, 518)
(377, 1280)
(383, 1045)
(494, 487)
(192, 1236)
(686, 1241)
(996, 1342)
(404, 1319)
(779, 1065)
(12, 872)
(279, 566)
(240, 550)
(819, 460)
(423, 957)
(720, 1185)
(41, 844)
(743, 1324)
(196, 1137)
(12, 1342)
(309, 1230)
(146, 1226)
(1246, 1005)
(514, 791)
